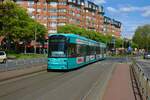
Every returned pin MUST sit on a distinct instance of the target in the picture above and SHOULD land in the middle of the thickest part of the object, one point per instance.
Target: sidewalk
(120, 85)
(16, 73)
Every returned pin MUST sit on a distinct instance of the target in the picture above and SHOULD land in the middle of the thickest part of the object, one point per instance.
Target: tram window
(88, 50)
(92, 50)
(72, 52)
(81, 50)
(101, 50)
(104, 50)
(97, 50)
(57, 48)
(77, 50)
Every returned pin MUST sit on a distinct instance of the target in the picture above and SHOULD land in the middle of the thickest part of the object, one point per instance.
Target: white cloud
(128, 9)
(146, 14)
(111, 9)
(144, 11)
(99, 1)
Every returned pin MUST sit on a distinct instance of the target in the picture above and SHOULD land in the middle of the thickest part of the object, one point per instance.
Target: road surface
(87, 83)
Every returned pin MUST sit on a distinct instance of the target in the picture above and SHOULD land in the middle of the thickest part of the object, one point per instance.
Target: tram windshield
(57, 47)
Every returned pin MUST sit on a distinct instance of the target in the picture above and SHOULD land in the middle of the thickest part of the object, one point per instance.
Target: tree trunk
(8, 42)
(25, 49)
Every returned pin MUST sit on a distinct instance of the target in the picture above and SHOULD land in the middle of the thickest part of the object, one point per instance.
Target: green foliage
(17, 26)
(119, 42)
(134, 45)
(89, 34)
(142, 37)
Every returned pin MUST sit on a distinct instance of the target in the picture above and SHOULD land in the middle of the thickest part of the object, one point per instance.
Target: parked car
(147, 55)
(3, 57)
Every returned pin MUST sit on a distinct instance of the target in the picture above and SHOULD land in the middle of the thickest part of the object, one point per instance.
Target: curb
(4, 76)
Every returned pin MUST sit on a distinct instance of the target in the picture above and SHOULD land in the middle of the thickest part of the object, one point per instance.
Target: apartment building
(83, 13)
(111, 26)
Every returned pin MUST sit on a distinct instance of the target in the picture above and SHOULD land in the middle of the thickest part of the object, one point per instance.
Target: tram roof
(78, 36)
(69, 35)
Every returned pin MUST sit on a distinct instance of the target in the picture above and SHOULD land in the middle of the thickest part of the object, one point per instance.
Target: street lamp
(113, 43)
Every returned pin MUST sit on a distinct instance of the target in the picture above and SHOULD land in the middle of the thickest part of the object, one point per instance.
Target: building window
(44, 9)
(61, 17)
(52, 31)
(53, 24)
(71, 6)
(53, 10)
(93, 13)
(52, 3)
(62, 3)
(38, 3)
(19, 1)
(78, 15)
(38, 10)
(69, 0)
(62, 10)
(61, 24)
(79, 9)
(71, 13)
(33, 17)
(44, 17)
(30, 4)
(30, 10)
(74, 1)
(45, 2)
(53, 17)
(45, 25)
(38, 16)
(86, 4)
(79, 2)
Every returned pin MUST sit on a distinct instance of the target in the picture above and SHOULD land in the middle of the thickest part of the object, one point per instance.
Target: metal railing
(143, 80)
(21, 64)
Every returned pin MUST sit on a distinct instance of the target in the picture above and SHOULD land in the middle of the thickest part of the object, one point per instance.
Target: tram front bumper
(57, 63)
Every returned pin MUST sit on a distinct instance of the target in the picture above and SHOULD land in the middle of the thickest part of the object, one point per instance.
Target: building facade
(83, 13)
(111, 26)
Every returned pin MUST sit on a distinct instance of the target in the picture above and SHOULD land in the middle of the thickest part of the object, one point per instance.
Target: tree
(142, 37)
(8, 20)
(40, 32)
(17, 26)
(14, 21)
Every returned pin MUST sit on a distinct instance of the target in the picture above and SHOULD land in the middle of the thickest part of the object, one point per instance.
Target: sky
(131, 13)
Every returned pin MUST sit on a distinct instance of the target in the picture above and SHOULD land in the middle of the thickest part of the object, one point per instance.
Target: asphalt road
(87, 83)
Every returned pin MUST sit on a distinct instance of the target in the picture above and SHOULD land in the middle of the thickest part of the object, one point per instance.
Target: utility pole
(35, 41)
(35, 28)
(113, 43)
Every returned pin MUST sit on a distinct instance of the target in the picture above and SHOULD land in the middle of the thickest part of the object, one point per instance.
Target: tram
(70, 51)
